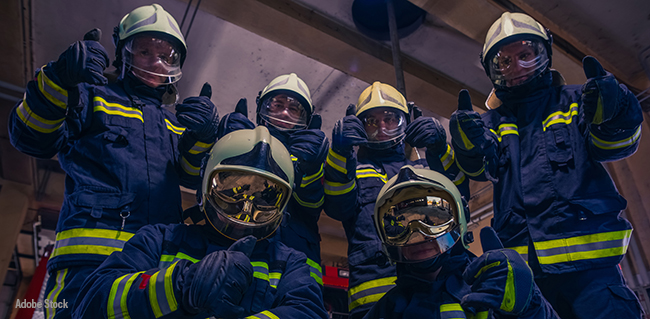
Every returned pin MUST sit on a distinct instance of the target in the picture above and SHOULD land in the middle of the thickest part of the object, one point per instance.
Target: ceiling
(239, 46)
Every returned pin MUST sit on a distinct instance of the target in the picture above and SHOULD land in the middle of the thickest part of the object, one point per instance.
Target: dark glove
(465, 125)
(237, 120)
(84, 61)
(310, 146)
(199, 115)
(427, 132)
(500, 279)
(600, 94)
(216, 284)
(348, 132)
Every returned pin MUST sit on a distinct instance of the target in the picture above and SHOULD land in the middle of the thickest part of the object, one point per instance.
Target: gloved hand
(600, 94)
(500, 279)
(310, 146)
(199, 115)
(84, 61)
(427, 132)
(237, 120)
(465, 125)
(348, 132)
(217, 283)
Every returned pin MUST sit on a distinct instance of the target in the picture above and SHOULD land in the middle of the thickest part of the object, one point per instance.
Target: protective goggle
(153, 60)
(385, 127)
(284, 111)
(518, 62)
(422, 226)
(243, 203)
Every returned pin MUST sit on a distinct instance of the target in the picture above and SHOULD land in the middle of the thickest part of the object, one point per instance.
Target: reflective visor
(155, 61)
(284, 111)
(244, 203)
(518, 62)
(385, 127)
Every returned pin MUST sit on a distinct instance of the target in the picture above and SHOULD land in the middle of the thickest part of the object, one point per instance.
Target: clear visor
(385, 127)
(518, 62)
(419, 226)
(284, 111)
(154, 61)
(241, 204)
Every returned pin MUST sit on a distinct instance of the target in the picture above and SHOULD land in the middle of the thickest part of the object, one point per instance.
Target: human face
(154, 61)
(423, 250)
(284, 111)
(516, 62)
(383, 123)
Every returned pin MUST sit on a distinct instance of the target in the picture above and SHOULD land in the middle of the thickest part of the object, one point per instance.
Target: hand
(466, 126)
(348, 132)
(237, 120)
(427, 132)
(218, 282)
(310, 147)
(500, 279)
(600, 92)
(199, 115)
(84, 61)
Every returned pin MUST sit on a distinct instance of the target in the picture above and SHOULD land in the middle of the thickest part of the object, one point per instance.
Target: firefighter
(224, 266)
(124, 156)
(285, 107)
(543, 149)
(378, 125)
(422, 223)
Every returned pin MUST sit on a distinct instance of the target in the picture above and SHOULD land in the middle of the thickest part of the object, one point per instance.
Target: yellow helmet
(384, 111)
(295, 103)
(381, 95)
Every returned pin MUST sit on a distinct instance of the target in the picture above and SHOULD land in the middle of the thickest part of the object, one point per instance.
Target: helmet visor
(518, 62)
(385, 127)
(153, 60)
(243, 203)
(284, 111)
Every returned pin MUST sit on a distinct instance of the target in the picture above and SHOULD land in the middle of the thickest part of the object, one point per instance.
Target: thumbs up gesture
(237, 120)
(84, 61)
(465, 125)
(600, 94)
(199, 115)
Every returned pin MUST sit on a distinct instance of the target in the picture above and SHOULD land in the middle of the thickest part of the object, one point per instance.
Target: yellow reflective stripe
(561, 117)
(308, 204)
(607, 145)
(460, 178)
(294, 159)
(478, 315)
(54, 294)
(336, 161)
(100, 105)
(189, 168)
(448, 158)
(592, 246)
(585, 239)
(112, 296)
(274, 279)
(86, 249)
(179, 255)
(200, 147)
(466, 142)
(450, 307)
(89, 241)
(508, 303)
(505, 129)
(370, 173)
(306, 180)
(370, 291)
(316, 271)
(334, 188)
(161, 292)
(263, 315)
(451, 311)
(486, 267)
(260, 270)
(472, 174)
(175, 129)
(36, 122)
(52, 92)
(118, 297)
(94, 232)
(522, 250)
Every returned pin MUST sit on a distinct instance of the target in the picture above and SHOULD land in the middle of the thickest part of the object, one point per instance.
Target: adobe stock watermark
(41, 305)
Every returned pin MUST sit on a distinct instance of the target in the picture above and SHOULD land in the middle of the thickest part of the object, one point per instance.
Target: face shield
(517, 63)
(418, 223)
(244, 203)
(385, 127)
(284, 111)
(153, 60)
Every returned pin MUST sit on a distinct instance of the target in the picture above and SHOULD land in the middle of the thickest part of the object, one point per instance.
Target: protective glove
(500, 279)
(310, 146)
(216, 284)
(237, 120)
(199, 115)
(427, 132)
(84, 61)
(348, 132)
(465, 125)
(600, 94)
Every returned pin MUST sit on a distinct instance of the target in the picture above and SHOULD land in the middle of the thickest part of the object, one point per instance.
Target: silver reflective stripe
(582, 248)
(329, 188)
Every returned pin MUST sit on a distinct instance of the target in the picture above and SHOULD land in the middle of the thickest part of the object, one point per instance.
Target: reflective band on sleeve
(89, 241)
(117, 299)
(52, 92)
(505, 129)
(478, 315)
(370, 291)
(189, 168)
(306, 180)
(334, 188)
(260, 270)
(200, 147)
(452, 311)
(274, 279)
(593, 246)
(36, 122)
(54, 293)
(100, 105)
(315, 271)
(460, 178)
(161, 292)
(308, 204)
(166, 260)
(175, 129)
(448, 158)
(337, 161)
(263, 315)
(611, 145)
(522, 250)
(561, 117)
(370, 173)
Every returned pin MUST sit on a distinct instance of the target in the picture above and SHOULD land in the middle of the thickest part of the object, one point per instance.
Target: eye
(525, 56)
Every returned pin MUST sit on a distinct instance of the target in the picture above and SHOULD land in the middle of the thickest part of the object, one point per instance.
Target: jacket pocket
(369, 189)
(558, 144)
(116, 135)
(111, 206)
(601, 203)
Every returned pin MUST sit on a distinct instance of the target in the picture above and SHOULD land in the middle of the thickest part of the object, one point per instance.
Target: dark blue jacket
(351, 188)
(124, 157)
(151, 261)
(554, 201)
